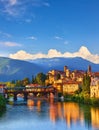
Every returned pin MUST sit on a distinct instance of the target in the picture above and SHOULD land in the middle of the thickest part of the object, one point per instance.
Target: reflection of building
(60, 110)
(95, 117)
(53, 112)
(69, 111)
(31, 103)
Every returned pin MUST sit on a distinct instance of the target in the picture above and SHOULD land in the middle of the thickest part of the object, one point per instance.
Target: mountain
(72, 63)
(11, 69)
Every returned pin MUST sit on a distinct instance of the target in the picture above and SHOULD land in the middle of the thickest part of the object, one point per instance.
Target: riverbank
(81, 99)
(2, 104)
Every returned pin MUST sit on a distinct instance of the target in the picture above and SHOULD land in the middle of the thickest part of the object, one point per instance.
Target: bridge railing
(29, 89)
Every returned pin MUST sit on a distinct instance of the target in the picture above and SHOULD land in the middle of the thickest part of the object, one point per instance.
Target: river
(43, 115)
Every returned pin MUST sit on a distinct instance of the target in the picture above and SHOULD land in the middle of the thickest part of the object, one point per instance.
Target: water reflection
(64, 116)
(72, 113)
(95, 117)
(69, 111)
(31, 103)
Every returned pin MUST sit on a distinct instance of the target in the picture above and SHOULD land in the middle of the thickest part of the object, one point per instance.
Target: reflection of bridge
(35, 91)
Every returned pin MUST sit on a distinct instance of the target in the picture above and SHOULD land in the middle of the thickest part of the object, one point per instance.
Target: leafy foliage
(25, 81)
(40, 78)
(86, 83)
(2, 103)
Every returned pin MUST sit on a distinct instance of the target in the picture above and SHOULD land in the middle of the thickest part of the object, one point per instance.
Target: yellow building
(70, 87)
(94, 91)
(94, 88)
(59, 87)
(51, 76)
(67, 87)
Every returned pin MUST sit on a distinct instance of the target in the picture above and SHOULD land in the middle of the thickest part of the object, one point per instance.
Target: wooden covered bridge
(46, 92)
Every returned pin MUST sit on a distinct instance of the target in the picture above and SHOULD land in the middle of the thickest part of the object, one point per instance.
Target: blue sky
(39, 26)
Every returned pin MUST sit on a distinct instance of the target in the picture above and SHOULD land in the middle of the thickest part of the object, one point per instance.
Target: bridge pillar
(6, 96)
(15, 97)
(25, 96)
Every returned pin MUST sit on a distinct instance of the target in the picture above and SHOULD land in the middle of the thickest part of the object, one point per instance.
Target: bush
(59, 94)
(87, 101)
(2, 103)
(95, 101)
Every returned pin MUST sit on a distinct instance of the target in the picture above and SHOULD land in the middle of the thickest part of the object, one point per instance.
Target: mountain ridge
(76, 63)
(11, 69)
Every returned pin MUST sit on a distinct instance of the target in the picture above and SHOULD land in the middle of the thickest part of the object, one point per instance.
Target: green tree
(10, 84)
(25, 81)
(34, 79)
(2, 104)
(40, 78)
(86, 84)
(18, 83)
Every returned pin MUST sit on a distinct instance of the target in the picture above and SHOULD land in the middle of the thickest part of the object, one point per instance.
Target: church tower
(65, 68)
(89, 69)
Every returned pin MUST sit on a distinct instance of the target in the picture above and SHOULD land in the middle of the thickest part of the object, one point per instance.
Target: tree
(40, 78)
(34, 79)
(86, 84)
(25, 81)
(18, 83)
(9, 84)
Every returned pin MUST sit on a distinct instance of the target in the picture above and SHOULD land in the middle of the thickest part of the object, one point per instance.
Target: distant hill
(72, 63)
(11, 69)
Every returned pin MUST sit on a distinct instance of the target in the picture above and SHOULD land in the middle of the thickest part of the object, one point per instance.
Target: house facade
(94, 87)
(2, 86)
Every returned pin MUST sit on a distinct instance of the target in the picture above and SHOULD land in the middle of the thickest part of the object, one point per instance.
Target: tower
(65, 68)
(89, 69)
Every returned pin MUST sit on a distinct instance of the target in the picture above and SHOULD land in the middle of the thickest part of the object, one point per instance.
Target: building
(66, 87)
(2, 86)
(94, 87)
(70, 87)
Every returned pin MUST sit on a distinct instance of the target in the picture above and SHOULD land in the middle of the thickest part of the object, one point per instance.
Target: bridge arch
(34, 91)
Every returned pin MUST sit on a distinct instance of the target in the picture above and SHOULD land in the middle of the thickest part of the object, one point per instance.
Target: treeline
(2, 105)
(38, 79)
(83, 94)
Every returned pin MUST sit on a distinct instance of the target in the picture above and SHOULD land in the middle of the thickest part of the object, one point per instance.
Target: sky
(31, 29)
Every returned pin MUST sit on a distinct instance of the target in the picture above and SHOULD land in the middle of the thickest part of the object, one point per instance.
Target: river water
(43, 115)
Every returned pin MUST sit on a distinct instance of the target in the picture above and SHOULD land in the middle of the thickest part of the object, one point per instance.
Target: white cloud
(11, 11)
(66, 42)
(28, 20)
(82, 52)
(10, 7)
(23, 55)
(9, 44)
(53, 53)
(12, 2)
(46, 4)
(9, 2)
(3, 34)
(58, 38)
(20, 7)
(32, 38)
